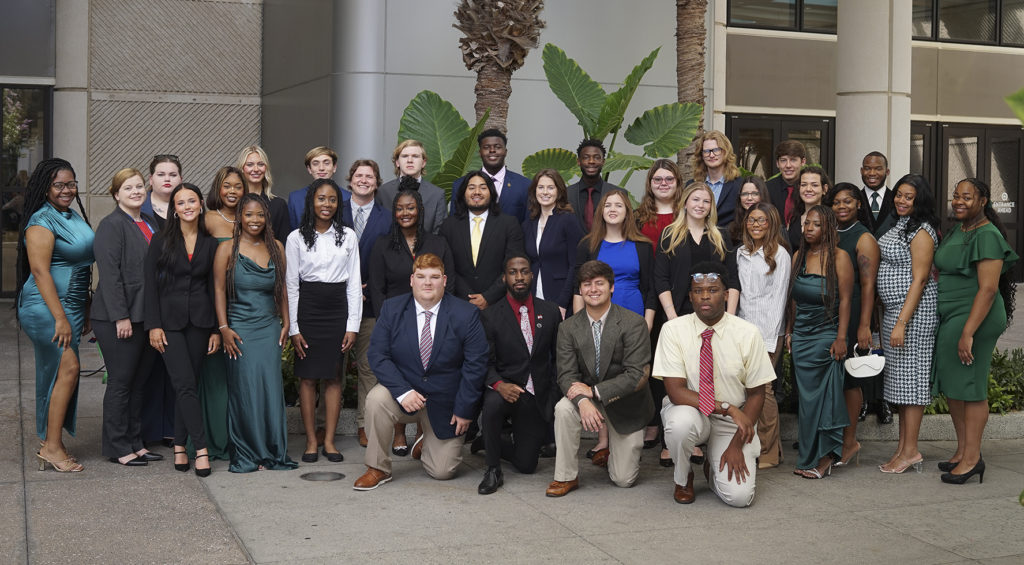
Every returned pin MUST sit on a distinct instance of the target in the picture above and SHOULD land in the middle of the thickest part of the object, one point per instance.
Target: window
(754, 139)
(795, 15)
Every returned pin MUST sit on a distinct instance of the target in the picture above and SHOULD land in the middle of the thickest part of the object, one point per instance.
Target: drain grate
(322, 476)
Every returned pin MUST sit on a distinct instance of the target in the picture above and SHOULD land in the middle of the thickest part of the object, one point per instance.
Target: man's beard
(520, 296)
(477, 210)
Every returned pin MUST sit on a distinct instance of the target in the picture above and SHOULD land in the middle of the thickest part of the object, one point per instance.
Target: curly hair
(396, 240)
(273, 247)
(827, 258)
(307, 225)
(647, 211)
(924, 206)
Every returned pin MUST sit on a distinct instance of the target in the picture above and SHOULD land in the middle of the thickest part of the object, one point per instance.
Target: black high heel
(183, 467)
(978, 469)
(203, 472)
(948, 466)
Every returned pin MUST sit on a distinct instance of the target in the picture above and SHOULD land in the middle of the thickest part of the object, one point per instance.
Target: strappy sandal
(71, 457)
(69, 465)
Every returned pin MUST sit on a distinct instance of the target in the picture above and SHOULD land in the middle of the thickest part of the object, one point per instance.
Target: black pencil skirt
(323, 317)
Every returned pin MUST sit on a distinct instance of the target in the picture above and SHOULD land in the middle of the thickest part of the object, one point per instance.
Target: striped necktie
(706, 399)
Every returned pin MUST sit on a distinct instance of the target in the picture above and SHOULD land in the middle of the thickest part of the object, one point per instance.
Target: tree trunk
(690, 35)
(493, 89)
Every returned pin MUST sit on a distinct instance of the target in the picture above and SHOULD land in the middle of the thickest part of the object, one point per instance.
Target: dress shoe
(978, 469)
(150, 456)
(684, 494)
(666, 462)
(492, 480)
(137, 462)
(884, 413)
(321, 435)
(601, 458)
(362, 437)
(371, 479)
(562, 488)
(333, 457)
(863, 412)
(182, 467)
(167, 442)
(310, 457)
(649, 443)
(477, 446)
(548, 450)
(592, 453)
(203, 472)
(417, 448)
(470, 436)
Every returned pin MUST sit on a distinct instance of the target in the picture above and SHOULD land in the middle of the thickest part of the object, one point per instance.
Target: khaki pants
(440, 456)
(367, 380)
(686, 427)
(768, 430)
(624, 456)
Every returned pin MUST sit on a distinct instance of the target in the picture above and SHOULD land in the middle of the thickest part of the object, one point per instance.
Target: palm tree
(498, 36)
(690, 34)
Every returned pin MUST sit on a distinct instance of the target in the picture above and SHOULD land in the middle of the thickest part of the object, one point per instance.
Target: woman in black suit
(552, 235)
(812, 186)
(122, 240)
(180, 314)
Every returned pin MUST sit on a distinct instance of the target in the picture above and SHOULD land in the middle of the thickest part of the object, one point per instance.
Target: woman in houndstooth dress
(910, 295)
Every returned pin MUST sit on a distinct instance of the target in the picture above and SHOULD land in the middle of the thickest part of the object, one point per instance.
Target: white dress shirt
(327, 263)
(499, 179)
(536, 276)
(420, 318)
(763, 300)
(881, 195)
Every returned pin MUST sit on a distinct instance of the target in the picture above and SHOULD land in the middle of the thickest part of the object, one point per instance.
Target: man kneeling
(715, 368)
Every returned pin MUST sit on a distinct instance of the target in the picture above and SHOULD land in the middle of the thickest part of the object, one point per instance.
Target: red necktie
(426, 340)
(706, 402)
(588, 210)
(789, 204)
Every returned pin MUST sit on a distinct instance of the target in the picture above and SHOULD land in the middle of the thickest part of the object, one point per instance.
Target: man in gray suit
(410, 159)
(585, 195)
(603, 363)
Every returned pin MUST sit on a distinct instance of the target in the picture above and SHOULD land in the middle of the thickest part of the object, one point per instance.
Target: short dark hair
(712, 267)
(491, 133)
(515, 255)
(878, 154)
(591, 143)
(790, 148)
(596, 269)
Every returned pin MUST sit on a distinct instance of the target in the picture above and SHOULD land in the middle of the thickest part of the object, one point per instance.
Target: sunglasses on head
(701, 277)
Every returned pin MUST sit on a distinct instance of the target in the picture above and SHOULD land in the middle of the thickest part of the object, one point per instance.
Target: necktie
(597, 348)
(524, 325)
(474, 238)
(789, 204)
(588, 209)
(360, 223)
(874, 204)
(706, 401)
(426, 340)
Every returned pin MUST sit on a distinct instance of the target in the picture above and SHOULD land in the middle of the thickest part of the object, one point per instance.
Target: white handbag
(864, 367)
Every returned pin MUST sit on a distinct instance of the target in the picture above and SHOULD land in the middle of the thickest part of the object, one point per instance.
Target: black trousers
(129, 363)
(528, 431)
(183, 355)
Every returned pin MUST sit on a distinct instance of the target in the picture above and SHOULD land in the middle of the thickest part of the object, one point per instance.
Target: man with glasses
(715, 367)
(715, 165)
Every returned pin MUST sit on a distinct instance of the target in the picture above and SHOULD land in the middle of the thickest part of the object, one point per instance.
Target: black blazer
(279, 220)
(777, 193)
(120, 249)
(390, 271)
(644, 252)
(555, 258)
(511, 361)
(189, 298)
(886, 213)
(726, 205)
(577, 194)
(672, 272)
(501, 237)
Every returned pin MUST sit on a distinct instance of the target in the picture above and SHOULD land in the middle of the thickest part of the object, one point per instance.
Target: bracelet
(901, 320)
(222, 327)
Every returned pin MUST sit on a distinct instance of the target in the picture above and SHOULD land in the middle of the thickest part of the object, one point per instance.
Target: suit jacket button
(424, 378)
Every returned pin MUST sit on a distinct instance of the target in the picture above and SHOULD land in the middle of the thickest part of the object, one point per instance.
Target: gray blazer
(434, 206)
(577, 198)
(120, 248)
(626, 400)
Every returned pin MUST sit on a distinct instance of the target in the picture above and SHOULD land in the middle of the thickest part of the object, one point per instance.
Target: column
(873, 86)
(357, 83)
(70, 93)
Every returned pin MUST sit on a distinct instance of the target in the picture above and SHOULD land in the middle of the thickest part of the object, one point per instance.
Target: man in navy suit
(322, 163)
(370, 221)
(429, 353)
(715, 166)
(512, 187)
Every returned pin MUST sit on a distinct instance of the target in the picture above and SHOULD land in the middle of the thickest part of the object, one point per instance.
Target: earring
(175, 214)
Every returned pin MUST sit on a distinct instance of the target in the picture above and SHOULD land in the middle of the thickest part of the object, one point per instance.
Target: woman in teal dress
(820, 292)
(976, 302)
(251, 296)
(53, 277)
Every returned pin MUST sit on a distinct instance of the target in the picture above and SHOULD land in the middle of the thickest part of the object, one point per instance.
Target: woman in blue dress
(53, 278)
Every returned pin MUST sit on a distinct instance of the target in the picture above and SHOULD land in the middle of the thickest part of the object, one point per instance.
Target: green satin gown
(257, 424)
(213, 399)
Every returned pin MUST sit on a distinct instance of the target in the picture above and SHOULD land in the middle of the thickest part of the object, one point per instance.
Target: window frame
(799, 27)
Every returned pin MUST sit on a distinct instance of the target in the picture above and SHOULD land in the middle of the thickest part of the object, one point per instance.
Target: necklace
(225, 219)
(816, 252)
(249, 242)
(850, 227)
(974, 225)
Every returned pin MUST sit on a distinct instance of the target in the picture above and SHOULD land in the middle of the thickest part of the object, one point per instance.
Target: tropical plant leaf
(1016, 103)
(582, 95)
(460, 160)
(664, 130)
(614, 108)
(745, 173)
(618, 162)
(434, 122)
(562, 160)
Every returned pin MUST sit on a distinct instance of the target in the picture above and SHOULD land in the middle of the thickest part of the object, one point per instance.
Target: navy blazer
(297, 201)
(378, 224)
(726, 204)
(555, 257)
(453, 381)
(512, 196)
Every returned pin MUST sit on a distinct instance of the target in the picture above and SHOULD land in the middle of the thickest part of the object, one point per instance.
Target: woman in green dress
(53, 277)
(251, 295)
(976, 302)
(820, 292)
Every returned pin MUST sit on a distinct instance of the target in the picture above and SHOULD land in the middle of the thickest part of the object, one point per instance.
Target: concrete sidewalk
(111, 514)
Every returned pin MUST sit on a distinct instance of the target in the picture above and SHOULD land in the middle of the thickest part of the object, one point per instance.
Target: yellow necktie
(474, 238)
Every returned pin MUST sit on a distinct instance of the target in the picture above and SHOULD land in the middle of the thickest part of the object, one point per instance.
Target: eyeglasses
(166, 156)
(749, 194)
(714, 151)
(701, 277)
(663, 180)
(60, 186)
(757, 221)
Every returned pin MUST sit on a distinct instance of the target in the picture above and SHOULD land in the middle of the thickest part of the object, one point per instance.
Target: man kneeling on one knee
(715, 368)
(603, 361)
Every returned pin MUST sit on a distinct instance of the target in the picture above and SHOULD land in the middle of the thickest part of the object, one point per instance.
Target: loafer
(137, 462)
(333, 457)
(150, 456)
(601, 458)
(492, 480)
(562, 488)
(310, 457)
(684, 493)
(362, 437)
(548, 450)
(417, 448)
(371, 479)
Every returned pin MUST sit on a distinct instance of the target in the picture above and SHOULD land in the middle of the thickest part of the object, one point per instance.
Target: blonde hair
(120, 177)
(676, 232)
(320, 151)
(268, 181)
(700, 170)
(401, 147)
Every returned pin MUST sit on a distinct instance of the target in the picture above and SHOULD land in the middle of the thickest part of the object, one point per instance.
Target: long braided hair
(827, 257)
(173, 240)
(272, 245)
(307, 225)
(396, 240)
(37, 195)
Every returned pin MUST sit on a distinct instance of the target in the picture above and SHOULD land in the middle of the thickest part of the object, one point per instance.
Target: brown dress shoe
(684, 494)
(362, 437)
(321, 435)
(601, 458)
(371, 479)
(417, 448)
(562, 488)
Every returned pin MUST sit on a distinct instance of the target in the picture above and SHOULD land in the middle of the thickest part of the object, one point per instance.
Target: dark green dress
(257, 425)
(822, 408)
(213, 398)
(848, 242)
(958, 284)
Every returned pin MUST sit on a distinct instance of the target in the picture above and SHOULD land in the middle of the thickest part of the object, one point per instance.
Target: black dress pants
(129, 363)
(528, 431)
(183, 355)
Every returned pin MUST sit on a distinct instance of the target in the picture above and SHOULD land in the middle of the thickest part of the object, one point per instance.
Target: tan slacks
(624, 450)
(768, 430)
(440, 457)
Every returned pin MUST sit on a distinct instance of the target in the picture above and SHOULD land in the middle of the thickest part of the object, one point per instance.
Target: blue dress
(70, 267)
(625, 262)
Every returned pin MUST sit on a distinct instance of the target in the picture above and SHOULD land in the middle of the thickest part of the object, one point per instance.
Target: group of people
(538, 310)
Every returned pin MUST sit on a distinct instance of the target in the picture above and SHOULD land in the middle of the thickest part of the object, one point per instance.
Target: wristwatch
(725, 407)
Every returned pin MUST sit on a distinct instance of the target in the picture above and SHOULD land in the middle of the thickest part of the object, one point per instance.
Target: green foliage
(1016, 103)
(1005, 384)
(460, 160)
(664, 130)
(582, 95)
(562, 160)
(619, 162)
(614, 108)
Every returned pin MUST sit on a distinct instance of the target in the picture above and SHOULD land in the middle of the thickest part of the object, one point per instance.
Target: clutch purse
(864, 367)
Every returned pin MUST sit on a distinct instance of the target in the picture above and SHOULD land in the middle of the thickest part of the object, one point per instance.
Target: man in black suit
(790, 157)
(512, 187)
(715, 166)
(521, 331)
(874, 171)
(480, 237)
(585, 194)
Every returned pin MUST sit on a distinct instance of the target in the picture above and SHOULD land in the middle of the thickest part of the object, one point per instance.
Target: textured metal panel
(176, 46)
(205, 136)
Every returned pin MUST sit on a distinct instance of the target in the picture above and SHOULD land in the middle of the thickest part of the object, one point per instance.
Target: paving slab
(12, 523)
